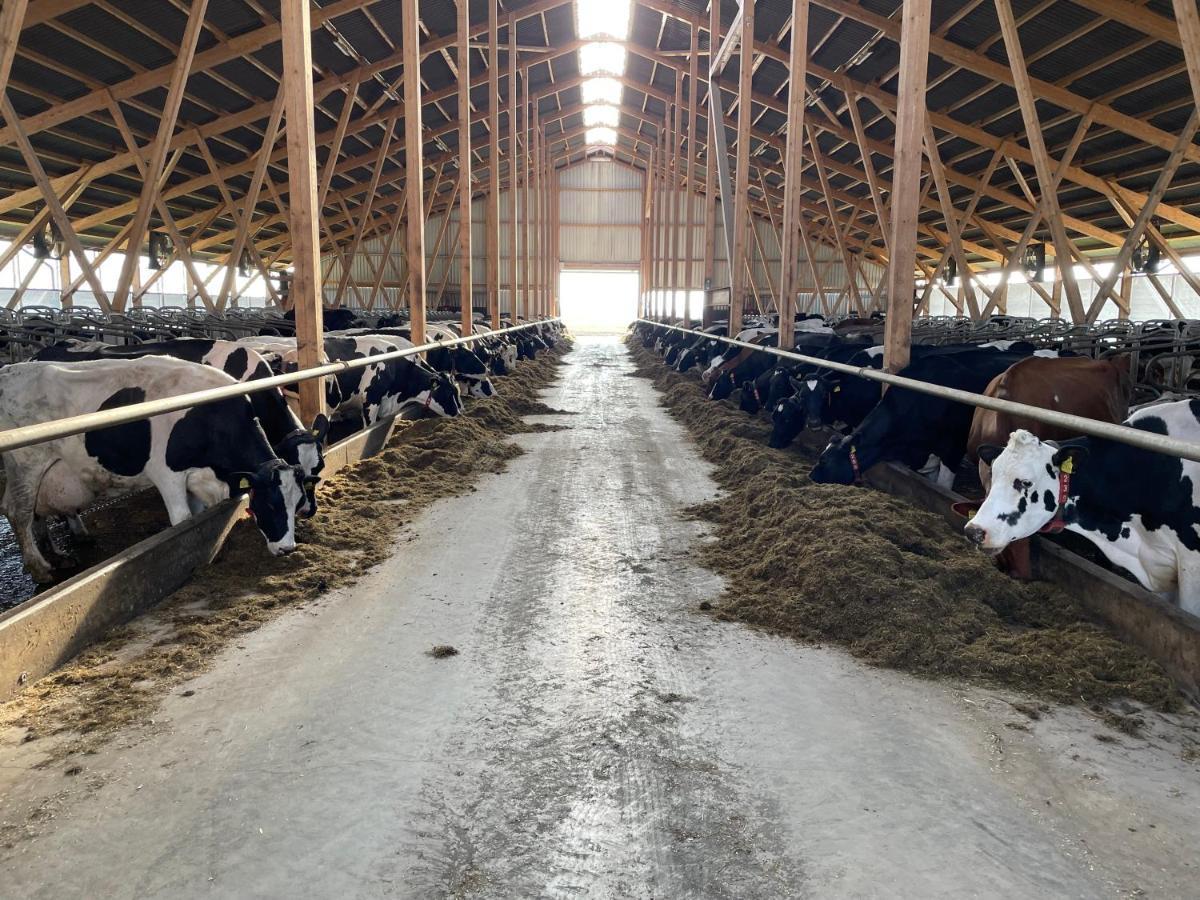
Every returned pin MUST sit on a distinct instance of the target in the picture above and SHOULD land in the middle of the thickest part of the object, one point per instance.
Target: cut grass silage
(892, 583)
(118, 682)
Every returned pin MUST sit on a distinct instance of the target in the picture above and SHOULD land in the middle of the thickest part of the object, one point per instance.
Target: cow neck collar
(858, 478)
(1058, 523)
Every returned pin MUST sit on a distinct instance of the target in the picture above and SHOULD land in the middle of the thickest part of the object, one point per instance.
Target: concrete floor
(594, 737)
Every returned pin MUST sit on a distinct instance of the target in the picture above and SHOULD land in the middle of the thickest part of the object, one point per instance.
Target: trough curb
(46, 631)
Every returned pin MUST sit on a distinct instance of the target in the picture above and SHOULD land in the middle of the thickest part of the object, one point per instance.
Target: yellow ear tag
(315, 432)
(244, 484)
(838, 388)
(1068, 466)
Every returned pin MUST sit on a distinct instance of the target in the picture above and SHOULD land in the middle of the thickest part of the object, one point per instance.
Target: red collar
(858, 479)
(1057, 524)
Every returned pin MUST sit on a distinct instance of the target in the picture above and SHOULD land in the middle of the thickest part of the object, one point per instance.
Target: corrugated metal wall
(600, 215)
(600, 221)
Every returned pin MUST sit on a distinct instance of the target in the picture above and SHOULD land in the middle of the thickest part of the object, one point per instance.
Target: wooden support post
(514, 169)
(710, 178)
(741, 192)
(906, 182)
(526, 211)
(535, 172)
(689, 200)
(64, 281)
(492, 244)
(672, 217)
(297, 88)
(414, 163)
(12, 17)
(162, 146)
(466, 287)
(793, 222)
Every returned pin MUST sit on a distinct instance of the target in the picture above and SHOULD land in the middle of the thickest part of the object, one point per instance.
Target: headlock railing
(26, 435)
(1133, 437)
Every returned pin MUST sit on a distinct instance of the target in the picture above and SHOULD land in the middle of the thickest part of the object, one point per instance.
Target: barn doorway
(598, 301)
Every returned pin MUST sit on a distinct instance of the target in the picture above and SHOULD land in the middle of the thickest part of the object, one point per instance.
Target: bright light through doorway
(598, 302)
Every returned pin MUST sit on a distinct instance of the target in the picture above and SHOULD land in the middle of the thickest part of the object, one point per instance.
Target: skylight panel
(601, 136)
(602, 58)
(601, 115)
(601, 90)
(602, 18)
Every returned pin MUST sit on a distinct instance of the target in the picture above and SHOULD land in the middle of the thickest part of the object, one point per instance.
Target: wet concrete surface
(595, 736)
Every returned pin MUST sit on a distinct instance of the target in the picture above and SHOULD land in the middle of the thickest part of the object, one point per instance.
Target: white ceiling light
(601, 90)
(602, 58)
(601, 136)
(602, 18)
(601, 115)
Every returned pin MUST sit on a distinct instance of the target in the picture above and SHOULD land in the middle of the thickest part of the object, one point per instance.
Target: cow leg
(174, 493)
(19, 499)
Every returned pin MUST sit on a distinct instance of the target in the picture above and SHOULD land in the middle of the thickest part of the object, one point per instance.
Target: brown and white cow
(1095, 389)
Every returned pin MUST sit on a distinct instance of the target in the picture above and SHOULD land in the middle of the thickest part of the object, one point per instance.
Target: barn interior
(513, 637)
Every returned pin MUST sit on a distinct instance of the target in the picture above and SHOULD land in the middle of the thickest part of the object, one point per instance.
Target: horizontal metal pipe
(1122, 433)
(26, 435)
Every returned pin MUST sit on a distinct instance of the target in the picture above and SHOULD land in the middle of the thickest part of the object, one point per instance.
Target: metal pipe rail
(26, 435)
(1134, 437)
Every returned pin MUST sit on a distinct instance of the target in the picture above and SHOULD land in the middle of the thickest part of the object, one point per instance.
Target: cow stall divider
(46, 631)
(1164, 631)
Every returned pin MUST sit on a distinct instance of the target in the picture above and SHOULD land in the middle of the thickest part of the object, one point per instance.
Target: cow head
(672, 355)
(815, 395)
(478, 386)
(749, 401)
(787, 421)
(722, 387)
(276, 491)
(839, 463)
(442, 396)
(1029, 478)
(303, 448)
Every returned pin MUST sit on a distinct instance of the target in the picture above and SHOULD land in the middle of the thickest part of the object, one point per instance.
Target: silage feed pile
(892, 583)
(361, 510)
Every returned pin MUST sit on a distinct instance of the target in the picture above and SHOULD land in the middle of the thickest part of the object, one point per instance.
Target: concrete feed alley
(594, 736)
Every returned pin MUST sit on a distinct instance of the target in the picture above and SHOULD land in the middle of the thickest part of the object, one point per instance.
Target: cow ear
(797, 386)
(320, 427)
(1068, 459)
(988, 453)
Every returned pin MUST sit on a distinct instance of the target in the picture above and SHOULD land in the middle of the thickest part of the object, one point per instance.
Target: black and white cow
(468, 367)
(393, 386)
(292, 442)
(923, 432)
(1141, 509)
(195, 458)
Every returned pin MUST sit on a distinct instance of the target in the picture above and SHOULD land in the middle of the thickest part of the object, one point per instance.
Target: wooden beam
(466, 275)
(415, 165)
(492, 242)
(513, 171)
(12, 19)
(1188, 20)
(158, 154)
(1041, 159)
(1145, 213)
(739, 258)
(689, 198)
(710, 181)
(906, 182)
(793, 221)
(57, 214)
(297, 89)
